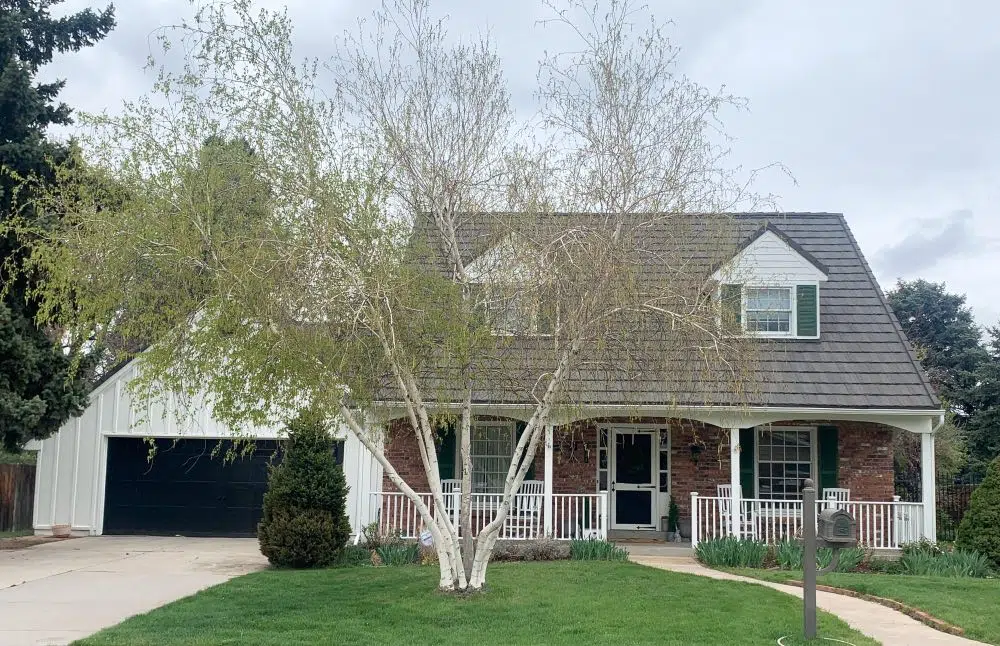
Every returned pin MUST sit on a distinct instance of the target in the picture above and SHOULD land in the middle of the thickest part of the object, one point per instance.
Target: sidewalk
(890, 627)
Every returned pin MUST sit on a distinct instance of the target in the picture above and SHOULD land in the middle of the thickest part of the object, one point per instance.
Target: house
(96, 476)
(835, 377)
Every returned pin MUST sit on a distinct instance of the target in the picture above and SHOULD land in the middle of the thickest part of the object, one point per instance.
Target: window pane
(768, 309)
(492, 448)
(784, 462)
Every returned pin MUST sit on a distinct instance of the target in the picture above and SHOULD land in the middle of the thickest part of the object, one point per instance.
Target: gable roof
(770, 228)
(862, 359)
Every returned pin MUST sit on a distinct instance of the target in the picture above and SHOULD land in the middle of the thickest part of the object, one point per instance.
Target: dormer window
(768, 310)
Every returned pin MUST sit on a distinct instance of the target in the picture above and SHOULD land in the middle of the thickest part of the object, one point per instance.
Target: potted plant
(673, 516)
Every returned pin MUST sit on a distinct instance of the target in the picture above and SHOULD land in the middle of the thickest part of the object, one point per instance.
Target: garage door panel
(184, 490)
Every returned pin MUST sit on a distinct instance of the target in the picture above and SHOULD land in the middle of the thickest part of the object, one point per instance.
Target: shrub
(596, 550)
(673, 516)
(788, 554)
(960, 563)
(354, 556)
(923, 546)
(304, 522)
(732, 552)
(540, 550)
(978, 531)
(398, 554)
(879, 565)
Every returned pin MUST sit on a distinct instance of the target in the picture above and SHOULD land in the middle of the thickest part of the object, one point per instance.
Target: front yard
(965, 602)
(567, 602)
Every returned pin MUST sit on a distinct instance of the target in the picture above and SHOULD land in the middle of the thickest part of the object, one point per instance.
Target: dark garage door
(185, 490)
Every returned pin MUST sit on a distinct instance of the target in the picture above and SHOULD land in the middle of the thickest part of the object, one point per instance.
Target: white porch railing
(573, 515)
(881, 525)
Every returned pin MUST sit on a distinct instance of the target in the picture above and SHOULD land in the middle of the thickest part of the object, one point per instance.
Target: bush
(923, 546)
(354, 556)
(540, 550)
(979, 530)
(788, 554)
(596, 550)
(879, 565)
(398, 554)
(732, 552)
(960, 563)
(304, 522)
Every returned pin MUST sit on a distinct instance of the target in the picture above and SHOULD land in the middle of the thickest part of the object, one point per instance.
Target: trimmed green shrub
(732, 552)
(540, 550)
(979, 530)
(596, 550)
(304, 522)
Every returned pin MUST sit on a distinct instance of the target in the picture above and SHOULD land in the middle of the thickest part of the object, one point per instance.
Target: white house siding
(71, 467)
(768, 260)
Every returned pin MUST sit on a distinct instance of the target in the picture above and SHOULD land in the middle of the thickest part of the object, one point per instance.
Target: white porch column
(547, 517)
(928, 492)
(735, 504)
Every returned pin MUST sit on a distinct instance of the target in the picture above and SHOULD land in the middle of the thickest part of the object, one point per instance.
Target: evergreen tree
(304, 523)
(978, 530)
(38, 391)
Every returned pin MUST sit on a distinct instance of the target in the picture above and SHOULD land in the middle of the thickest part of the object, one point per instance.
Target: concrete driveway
(58, 592)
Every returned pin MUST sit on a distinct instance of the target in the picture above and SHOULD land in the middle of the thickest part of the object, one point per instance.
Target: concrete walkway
(56, 593)
(890, 627)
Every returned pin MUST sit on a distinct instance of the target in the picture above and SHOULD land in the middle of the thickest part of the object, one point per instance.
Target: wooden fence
(17, 496)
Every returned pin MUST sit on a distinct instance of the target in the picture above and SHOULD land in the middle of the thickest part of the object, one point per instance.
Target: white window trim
(813, 452)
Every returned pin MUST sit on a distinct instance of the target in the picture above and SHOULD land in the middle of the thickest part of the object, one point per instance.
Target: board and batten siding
(71, 466)
(769, 260)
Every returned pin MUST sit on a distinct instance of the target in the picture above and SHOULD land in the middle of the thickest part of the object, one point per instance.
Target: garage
(185, 490)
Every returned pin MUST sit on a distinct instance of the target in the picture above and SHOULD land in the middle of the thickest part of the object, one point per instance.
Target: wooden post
(809, 558)
(736, 501)
(694, 519)
(928, 492)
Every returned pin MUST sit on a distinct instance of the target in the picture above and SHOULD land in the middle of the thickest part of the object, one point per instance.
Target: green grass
(566, 602)
(965, 602)
(17, 533)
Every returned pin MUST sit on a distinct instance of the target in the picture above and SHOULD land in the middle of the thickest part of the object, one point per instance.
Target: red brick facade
(865, 458)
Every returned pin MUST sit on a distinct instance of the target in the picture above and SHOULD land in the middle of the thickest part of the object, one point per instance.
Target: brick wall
(865, 460)
(403, 453)
(704, 474)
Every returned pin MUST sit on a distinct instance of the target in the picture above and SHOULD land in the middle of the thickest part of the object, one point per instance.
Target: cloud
(935, 240)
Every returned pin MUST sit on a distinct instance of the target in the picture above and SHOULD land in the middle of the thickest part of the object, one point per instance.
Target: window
(515, 312)
(785, 458)
(768, 309)
(492, 448)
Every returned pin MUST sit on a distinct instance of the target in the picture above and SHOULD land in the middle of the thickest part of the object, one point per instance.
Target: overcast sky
(884, 111)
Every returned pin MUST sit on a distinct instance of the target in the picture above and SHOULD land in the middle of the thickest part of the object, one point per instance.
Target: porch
(603, 476)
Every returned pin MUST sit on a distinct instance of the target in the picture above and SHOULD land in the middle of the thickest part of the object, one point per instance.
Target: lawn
(968, 603)
(569, 602)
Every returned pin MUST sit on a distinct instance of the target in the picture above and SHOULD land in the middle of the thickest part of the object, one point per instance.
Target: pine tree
(38, 391)
(304, 523)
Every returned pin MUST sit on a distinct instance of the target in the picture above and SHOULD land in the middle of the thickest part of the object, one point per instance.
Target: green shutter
(807, 310)
(530, 475)
(828, 456)
(446, 453)
(732, 307)
(747, 436)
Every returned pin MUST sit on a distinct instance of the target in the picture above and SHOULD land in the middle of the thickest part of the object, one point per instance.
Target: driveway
(58, 592)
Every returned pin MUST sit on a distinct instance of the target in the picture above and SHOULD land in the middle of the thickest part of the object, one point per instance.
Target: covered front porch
(728, 473)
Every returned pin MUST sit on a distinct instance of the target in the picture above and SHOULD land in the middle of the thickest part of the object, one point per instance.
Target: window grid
(768, 309)
(784, 461)
(492, 448)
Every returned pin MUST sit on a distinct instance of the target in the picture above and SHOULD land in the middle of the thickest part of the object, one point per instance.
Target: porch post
(735, 504)
(547, 515)
(928, 492)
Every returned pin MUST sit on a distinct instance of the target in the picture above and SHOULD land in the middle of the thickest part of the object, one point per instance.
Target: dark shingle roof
(861, 360)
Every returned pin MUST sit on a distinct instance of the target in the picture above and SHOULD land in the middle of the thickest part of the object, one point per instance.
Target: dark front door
(185, 490)
(634, 478)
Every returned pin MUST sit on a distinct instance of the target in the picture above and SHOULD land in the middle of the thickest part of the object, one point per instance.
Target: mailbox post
(837, 529)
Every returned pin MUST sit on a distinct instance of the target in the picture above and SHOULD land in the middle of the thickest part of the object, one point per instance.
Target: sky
(884, 111)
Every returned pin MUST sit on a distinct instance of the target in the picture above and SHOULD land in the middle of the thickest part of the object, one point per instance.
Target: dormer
(770, 288)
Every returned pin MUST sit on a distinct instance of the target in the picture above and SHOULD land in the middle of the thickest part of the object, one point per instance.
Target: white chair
(725, 493)
(524, 519)
(449, 491)
(835, 497)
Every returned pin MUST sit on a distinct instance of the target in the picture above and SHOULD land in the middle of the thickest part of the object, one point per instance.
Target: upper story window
(518, 313)
(771, 310)
(768, 309)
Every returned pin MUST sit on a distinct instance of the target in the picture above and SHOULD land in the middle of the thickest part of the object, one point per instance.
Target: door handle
(612, 485)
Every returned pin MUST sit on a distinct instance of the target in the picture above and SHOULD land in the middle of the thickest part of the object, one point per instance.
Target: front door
(634, 479)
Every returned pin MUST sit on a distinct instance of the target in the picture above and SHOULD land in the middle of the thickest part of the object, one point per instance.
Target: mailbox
(836, 528)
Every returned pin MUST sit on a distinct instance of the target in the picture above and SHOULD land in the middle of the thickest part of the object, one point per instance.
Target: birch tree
(404, 248)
